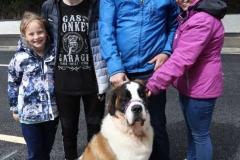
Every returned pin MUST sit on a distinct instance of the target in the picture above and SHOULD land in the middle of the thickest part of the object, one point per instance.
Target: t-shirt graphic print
(74, 52)
(74, 73)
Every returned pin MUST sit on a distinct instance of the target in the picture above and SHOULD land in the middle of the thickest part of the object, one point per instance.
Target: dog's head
(129, 101)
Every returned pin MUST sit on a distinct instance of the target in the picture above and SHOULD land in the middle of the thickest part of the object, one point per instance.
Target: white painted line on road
(9, 155)
(3, 65)
(13, 139)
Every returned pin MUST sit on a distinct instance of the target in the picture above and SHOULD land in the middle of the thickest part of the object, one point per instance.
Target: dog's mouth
(137, 121)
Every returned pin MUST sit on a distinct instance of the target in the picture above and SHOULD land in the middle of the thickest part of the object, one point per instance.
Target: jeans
(40, 138)
(156, 108)
(198, 116)
(69, 111)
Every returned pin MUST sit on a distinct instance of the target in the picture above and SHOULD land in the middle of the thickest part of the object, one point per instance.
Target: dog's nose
(137, 109)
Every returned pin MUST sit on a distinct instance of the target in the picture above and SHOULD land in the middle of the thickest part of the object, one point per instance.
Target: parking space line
(8, 155)
(13, 139)
(3, 65)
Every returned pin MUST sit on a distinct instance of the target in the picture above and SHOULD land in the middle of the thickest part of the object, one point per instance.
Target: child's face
(36, 36)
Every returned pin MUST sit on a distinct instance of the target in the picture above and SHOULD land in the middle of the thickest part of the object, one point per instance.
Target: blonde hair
(29, 17)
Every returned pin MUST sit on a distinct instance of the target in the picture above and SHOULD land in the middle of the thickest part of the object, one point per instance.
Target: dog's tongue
(138, 121)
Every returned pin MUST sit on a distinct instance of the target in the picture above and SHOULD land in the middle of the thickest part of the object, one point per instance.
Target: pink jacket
(195, 67)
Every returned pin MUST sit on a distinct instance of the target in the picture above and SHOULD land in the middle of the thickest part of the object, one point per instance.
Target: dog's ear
(143, 84)
(111, 102)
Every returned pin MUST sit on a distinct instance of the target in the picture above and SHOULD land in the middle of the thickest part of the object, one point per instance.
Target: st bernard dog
(126, 133)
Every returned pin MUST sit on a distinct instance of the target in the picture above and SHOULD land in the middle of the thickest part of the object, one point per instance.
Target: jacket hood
(23, 46)
(216, 8)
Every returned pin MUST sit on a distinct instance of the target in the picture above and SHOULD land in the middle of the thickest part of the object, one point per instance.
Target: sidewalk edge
(225, 50)
(8, 48)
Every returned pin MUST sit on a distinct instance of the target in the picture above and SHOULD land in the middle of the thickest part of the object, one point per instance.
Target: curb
(8, 48)
(225, 50)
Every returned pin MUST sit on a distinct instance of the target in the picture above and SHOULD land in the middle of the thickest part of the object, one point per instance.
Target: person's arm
(107, 37)
(44, 11)
(190, 45)
(14, 80)
(172, 25)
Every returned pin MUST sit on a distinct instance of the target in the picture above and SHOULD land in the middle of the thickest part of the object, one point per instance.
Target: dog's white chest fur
(126, 146)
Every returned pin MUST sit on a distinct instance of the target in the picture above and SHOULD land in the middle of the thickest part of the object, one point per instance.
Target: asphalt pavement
(225, 128)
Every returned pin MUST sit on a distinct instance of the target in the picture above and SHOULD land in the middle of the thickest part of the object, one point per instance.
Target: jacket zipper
(90, 47)
(42, 75)
(46, 96)
(140, 35)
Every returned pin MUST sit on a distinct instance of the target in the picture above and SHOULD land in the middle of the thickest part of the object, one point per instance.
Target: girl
(31, 87)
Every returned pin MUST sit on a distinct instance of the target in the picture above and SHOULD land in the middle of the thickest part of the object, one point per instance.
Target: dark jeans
(69, 110)
(198, 117)
(40, 138)
(156, 107)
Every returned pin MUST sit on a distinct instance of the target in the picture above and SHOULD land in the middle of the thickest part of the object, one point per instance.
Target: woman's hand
(148, 92)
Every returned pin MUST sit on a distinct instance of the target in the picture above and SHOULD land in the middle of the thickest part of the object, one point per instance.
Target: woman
(195, 69)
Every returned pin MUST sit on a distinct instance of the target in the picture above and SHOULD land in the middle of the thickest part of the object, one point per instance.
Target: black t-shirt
(74, 72)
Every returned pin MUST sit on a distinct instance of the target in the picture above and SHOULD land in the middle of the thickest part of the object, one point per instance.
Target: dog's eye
(125, 99)
(142, 95)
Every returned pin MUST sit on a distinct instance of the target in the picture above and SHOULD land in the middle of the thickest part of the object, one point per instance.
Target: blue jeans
(156, 108)
(198, 116)
(40, 138)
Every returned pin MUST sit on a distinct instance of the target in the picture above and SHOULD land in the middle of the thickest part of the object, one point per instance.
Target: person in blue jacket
(135, 39)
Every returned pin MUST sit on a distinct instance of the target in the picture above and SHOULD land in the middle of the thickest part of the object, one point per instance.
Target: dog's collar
(128, 104)
(116, 116)
(132, 100)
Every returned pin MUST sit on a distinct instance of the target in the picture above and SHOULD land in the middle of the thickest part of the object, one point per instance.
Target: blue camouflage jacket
(31, 85)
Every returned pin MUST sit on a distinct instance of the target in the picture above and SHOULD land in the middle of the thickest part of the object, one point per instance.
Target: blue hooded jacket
(132, 32)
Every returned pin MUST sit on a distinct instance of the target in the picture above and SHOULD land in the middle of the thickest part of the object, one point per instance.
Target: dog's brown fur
(98, 142)
(99, 147)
